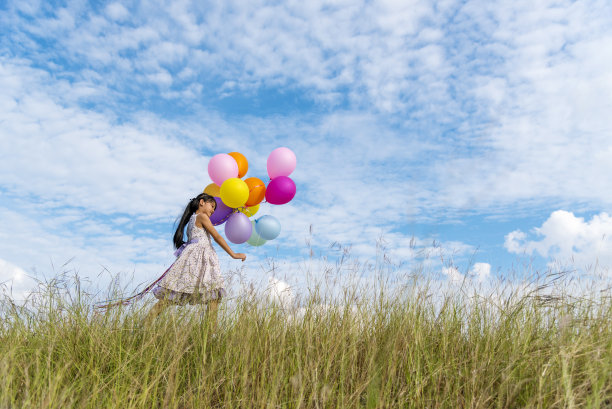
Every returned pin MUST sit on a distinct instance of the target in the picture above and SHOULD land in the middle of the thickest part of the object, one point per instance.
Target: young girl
(194, 277)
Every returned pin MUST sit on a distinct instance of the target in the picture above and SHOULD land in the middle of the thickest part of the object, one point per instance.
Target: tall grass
(405, 348)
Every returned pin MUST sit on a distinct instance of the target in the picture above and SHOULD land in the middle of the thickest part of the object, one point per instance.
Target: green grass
(409, 349)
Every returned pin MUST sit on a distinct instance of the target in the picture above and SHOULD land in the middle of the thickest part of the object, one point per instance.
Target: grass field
(408, 349)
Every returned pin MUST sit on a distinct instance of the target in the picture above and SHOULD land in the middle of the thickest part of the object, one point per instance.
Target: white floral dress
(195, 276)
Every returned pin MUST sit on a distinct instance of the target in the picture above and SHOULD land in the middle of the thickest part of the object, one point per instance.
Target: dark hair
(190, 209)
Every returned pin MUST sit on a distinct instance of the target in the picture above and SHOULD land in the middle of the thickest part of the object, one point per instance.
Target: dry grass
(404, 350)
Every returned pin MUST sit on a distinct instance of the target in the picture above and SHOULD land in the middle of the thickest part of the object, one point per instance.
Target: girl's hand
(240, 256)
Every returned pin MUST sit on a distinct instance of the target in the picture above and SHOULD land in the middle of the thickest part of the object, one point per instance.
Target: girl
(194, 277)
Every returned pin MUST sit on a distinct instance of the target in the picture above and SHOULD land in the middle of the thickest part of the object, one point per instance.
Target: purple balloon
(238, 228)
(280, 190)
(221, 213)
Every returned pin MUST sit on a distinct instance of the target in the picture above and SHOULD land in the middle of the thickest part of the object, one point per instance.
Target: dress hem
(178, 297)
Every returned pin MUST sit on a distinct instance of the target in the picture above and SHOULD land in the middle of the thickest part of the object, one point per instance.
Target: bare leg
(155, 311)
(212, 309)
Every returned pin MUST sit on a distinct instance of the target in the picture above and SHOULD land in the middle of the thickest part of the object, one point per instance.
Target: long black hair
(190, 209)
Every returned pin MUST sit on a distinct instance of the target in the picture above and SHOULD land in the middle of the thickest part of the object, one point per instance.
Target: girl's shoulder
(200, 216)
(200, 219)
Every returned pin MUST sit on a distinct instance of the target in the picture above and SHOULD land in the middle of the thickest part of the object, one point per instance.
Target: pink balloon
(221, 167)
(280, 190)
(238, 228)
(281, 162)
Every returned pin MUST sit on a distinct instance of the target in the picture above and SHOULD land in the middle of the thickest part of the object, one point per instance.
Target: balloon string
(245, 209)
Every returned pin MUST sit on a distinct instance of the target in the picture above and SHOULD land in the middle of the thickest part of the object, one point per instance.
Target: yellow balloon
(234, 192)
(213, 190)
(250, 211)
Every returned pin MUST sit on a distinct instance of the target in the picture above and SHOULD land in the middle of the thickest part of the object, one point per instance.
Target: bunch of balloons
(238, 199)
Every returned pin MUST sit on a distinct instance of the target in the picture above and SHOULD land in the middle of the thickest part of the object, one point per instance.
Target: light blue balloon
(268, 227)
(255, 240)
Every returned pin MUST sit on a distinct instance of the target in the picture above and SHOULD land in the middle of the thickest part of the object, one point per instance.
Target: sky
(470, 137)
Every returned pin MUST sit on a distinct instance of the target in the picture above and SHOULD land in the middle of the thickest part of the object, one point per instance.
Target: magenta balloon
(281, 162)
(238, 228)
(222, 167)
(280, 190)
(221, 213)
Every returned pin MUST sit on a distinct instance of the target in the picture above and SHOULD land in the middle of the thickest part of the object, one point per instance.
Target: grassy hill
(409, 350)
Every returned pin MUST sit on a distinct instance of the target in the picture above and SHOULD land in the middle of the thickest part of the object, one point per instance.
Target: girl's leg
(155, 311)
(212, 309)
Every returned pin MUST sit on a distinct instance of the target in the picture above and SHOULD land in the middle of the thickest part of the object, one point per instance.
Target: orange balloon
(257, 191)
(243, 165)
(213, 190)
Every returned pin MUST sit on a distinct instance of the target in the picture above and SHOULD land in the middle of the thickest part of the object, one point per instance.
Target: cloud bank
(568, 240)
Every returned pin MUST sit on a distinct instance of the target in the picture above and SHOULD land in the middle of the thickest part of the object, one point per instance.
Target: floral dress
(195, 276)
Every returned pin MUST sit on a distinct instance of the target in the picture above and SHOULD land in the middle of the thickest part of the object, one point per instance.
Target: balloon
(281, 162)
(255, 240)
(222, 167)
(280, 190)
(234, 192)
(268, 227)
(257, 191)
(241, 161)
(238, 228)
(249, 211)
(221, 213)
(212, 190)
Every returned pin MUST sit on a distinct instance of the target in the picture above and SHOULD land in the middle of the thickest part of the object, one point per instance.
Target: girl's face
(208, 207)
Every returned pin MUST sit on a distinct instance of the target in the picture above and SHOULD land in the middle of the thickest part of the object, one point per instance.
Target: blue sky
(483, 127)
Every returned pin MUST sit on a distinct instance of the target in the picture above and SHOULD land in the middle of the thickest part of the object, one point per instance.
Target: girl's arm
(208, 226)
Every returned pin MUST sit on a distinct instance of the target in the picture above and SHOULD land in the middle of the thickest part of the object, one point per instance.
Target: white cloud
(453, 274)
(168, 52)
(15, 282)
(543, 83)
(318, 46)
(569, 240)
(81, 158)
(280, 292)
(117, 11)
(513, 242)
(482, 271)
(161, 78)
